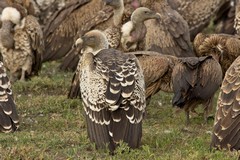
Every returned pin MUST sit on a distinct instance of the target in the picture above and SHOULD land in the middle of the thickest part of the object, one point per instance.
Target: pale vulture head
(93, 41)
(11, 14)
(142, 14)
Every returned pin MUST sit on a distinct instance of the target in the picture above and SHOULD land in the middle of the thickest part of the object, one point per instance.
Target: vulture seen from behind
(113, 92)
(21, 44)
(226, 129)
(195, 81)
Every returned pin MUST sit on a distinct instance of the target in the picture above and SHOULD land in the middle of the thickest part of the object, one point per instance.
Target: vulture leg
(22, 75)
(187, 117)
(207, 109)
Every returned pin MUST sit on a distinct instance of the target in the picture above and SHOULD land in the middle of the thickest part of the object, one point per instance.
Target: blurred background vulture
(198, 13)
(226, 134)
(169, 34)
(9, 120)
(113, 93)
(65, 26)
(224, 47)
(21, 42)
(195, 81)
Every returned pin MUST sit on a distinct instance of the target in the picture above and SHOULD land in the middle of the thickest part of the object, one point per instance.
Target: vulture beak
(156, 15)
(221, 50)
(78, 43)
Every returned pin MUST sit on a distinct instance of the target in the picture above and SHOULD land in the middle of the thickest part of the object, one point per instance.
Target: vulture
(65, 26)
(237, 17)
(134, 31)
(113, 93)
(225, 48)
(44, 9)
(21, 43)
(224, 20)
(226, 134)
(168, 35)
(198, 13)
(9, 120)
(195, 81)
(132, 35)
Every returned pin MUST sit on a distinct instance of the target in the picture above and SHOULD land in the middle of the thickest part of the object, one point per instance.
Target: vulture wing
(226, 129)
(33, 28)
(169, 35)
(9, 120)
(114, 100)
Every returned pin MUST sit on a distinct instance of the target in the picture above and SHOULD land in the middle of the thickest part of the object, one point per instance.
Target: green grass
(53, 127)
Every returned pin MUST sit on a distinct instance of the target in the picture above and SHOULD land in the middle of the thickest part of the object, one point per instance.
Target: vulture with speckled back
(21, 42)
(113, 93)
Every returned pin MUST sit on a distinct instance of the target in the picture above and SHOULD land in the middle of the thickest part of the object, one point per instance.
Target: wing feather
(226, 132)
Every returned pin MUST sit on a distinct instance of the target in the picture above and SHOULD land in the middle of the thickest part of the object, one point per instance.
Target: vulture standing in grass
(198, 13)
(226, 129)
(113, 93)
(21, 43)
(195, 81)
(9, 120)
(168, 35)
(224, 47)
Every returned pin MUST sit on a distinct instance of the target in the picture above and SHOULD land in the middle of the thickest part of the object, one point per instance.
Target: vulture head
(142, 14)
(135, 30)
(10, 17)
(10, 14)
(93, 41)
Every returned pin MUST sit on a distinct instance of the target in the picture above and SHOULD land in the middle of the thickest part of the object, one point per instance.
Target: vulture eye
(91, 38)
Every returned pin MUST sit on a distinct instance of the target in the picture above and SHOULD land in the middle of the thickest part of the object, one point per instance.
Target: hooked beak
(156, 15)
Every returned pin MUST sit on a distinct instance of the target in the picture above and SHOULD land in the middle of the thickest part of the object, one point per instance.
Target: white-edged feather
(11, 14)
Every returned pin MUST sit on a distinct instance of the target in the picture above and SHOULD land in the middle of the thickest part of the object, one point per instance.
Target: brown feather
(196, 85)
(226, 133)
(223, 47)
(169, 35)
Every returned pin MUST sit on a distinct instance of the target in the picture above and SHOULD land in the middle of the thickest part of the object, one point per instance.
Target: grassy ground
(53, 127)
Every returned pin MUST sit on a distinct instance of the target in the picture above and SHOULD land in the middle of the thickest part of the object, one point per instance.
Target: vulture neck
(118, 14)
(6, 35)
(7, 26)
(96, 49)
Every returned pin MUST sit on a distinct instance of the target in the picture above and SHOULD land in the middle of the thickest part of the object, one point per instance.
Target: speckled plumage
(9, 120)
(113, 93)
(197, 13)
(226, 133)
(24, 58)
(170, 34)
